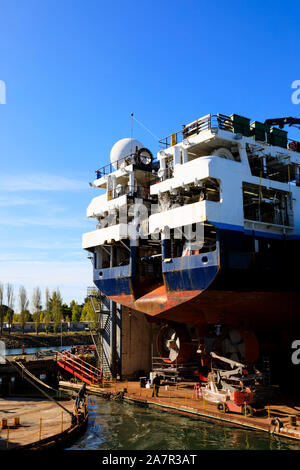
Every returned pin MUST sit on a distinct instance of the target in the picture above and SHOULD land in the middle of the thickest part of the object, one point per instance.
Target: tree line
(18, 307)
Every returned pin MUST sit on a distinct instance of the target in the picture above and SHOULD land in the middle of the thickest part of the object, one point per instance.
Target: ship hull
(228, 285)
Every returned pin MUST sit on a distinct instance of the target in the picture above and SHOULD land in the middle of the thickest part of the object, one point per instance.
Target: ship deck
(42, 423)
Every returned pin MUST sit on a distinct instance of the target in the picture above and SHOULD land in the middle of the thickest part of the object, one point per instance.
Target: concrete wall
(137, 337)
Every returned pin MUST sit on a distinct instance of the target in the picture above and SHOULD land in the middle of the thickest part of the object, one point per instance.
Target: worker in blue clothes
(81, 395)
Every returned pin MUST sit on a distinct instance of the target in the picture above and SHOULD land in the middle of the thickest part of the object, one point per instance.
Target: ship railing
(159, 364)
(132, 191)
(207, 122)
(111, 167)
(77, 364)
(92, 291)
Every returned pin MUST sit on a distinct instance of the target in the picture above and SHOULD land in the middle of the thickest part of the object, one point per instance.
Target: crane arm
(281, 122)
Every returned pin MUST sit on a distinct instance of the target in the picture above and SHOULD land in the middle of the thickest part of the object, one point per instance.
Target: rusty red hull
(264, 309)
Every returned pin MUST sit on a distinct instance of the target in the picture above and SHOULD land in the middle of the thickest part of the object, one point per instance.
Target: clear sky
(74, 71)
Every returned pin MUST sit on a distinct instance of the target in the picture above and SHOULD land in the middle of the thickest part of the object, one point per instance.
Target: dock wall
(137, 339)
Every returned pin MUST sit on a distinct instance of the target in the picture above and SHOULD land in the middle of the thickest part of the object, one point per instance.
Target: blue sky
(74, 71)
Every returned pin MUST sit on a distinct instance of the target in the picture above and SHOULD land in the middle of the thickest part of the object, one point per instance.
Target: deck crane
(281, 122)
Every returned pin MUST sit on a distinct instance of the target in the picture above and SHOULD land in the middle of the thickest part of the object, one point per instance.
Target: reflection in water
(12, 352)
(114, 425)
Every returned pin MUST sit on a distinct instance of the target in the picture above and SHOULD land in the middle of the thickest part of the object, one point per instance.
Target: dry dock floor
(39, 419)
(183, 400)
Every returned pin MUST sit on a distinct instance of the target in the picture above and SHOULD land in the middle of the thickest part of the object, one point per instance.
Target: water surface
(121, 426)
(13, 352)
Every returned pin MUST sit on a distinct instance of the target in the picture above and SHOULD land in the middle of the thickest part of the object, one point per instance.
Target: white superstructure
(212, 175)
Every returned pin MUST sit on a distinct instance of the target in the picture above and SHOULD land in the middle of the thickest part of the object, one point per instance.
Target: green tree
(76, 312)
(23, 302)
(8, 312)
(56, 308)
(47, 313)
(27, 316)
(10, 303)
(37, 307)
(88, 313)
(66, 311)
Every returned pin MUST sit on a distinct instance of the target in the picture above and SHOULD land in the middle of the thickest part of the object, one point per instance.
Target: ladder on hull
(101, 307)
(79, 368)
(104, 362)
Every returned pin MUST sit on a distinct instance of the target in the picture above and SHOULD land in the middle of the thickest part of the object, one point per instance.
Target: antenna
(141, 124)
(131, 130)
(131, 133)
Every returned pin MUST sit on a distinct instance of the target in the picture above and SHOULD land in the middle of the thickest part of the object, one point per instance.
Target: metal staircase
(79, 368)
(101, 307)
(266, 370)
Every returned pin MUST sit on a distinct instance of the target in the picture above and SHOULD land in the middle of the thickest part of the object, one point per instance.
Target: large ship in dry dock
(203, 239)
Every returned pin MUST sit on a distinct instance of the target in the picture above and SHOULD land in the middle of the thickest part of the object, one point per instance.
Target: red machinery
(240, 402)
(228, 388)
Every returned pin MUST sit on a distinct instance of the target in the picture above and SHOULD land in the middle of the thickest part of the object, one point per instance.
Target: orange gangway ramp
(79, 368)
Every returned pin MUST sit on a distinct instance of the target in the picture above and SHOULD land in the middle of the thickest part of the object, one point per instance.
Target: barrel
(16, 421)
(293, 420)
(142, 382)
(3, 423)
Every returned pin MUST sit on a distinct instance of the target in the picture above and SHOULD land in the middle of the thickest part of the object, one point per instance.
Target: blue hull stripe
(113, 281)
(190, 279)
(257, 233)
(114, 287)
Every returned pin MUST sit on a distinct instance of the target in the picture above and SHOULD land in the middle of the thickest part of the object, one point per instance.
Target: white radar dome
(122, 149)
